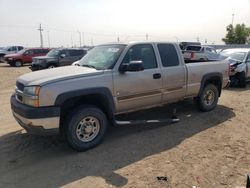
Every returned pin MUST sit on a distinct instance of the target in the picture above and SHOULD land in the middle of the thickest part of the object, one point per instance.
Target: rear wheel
(208, 98)
(242, 79)
(85, 127)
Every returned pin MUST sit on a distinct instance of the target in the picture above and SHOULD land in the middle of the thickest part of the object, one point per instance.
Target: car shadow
(32, 161)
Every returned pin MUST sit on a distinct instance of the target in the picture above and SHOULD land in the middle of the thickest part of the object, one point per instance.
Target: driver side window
(141, 52)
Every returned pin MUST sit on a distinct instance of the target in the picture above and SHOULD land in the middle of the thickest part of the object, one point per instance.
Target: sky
(74, 22)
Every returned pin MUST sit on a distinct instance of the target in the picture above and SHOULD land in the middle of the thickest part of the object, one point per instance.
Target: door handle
(157, 76)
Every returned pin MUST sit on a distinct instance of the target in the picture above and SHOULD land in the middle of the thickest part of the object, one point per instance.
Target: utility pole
(80, 38)
(232, 19)
(41, 35)
(92, 43)
(71, 39)
(83, 39)
(198, 39)
(118, 39)
(146, 36)
(48, 39)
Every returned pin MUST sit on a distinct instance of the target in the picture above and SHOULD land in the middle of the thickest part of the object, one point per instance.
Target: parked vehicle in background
(9, 50)
(200, 53)
(81, 101)
(25, 56)
(184, 45)
(239, 61)
(57, 57)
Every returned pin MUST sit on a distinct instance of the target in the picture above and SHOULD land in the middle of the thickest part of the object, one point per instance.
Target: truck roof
(137, 42)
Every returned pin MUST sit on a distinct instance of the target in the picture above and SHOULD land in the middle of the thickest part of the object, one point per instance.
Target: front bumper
(35, 67)
(41, 121)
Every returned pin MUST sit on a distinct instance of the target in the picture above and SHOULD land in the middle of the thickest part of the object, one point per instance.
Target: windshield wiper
(90, 66)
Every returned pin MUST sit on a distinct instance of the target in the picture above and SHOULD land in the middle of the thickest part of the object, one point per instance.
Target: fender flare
(207, 77)
(105, 92)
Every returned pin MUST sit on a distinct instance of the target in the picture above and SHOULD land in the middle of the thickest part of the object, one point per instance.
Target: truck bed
(196, 70)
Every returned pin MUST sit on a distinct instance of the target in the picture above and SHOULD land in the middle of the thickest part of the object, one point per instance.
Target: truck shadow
(31, 161)
(239, 89)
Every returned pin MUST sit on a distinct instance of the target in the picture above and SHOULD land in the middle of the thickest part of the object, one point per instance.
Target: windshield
(194, 48)
(102, 57)
(22, 51)
(239, 56)
(6, 48)
(53, 53)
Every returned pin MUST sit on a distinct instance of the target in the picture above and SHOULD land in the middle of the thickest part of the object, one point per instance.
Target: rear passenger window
(76, 52)
(141, 52)
(37, 51)
(169, 56)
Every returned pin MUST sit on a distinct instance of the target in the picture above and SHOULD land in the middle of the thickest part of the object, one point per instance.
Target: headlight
(33, 90)
(31, 96)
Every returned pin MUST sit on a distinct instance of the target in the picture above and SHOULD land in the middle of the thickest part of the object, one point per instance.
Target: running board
(134, 122)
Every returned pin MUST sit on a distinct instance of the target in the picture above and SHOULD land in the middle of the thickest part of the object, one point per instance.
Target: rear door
(174, 73)
(76, 55)
(136, 90)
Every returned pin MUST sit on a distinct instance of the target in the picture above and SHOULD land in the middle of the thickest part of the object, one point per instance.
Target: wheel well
(98, 100)
(52, 63)
(18, 60)
(215, 80)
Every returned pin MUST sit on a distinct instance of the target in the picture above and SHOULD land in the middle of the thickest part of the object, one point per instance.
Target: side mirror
(62, 55)
(133, 66)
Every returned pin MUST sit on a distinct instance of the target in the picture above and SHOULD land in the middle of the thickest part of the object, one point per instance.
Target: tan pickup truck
(81, 101)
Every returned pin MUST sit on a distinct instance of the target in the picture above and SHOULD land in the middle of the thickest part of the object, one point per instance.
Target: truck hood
(44, 57)
(57, 74)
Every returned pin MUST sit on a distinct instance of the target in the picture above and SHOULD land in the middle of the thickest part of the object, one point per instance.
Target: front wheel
(208, 99)
(18, 64)
(85, 128)
(51, 66)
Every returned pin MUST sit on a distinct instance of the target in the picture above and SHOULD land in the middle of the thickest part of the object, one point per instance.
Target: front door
(136, 90)
(65, 58)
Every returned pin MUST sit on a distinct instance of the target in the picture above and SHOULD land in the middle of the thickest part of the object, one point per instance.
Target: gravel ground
(203, 149)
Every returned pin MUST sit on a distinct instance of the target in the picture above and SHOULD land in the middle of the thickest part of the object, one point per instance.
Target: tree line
(240, 34)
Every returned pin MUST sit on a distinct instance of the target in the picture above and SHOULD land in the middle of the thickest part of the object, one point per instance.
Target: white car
(9, 50)
(200, 53)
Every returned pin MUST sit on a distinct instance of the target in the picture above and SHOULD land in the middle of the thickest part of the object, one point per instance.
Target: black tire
(242, 80)
(74, 124)
(2, 58)
(12, 64)
(204, 102)
(51, 66)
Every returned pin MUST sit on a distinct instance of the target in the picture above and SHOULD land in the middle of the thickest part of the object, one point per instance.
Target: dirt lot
(203, 149)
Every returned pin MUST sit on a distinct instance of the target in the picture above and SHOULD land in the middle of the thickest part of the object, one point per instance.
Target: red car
(25, 56)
